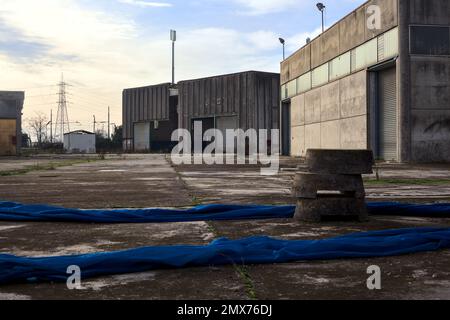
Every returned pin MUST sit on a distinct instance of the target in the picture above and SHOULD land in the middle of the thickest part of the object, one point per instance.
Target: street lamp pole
(321, 8)
(283, 42)
(173, 38)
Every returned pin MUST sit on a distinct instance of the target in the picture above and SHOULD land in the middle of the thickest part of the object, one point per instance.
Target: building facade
(235, 101)
(149, 118)
(11, 105)
(246, 100)
(364, 85)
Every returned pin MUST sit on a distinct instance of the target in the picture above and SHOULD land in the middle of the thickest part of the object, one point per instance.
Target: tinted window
(429, 40)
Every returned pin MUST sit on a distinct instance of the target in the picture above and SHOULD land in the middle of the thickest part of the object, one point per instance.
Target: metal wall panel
(251, 96)
(143, 105)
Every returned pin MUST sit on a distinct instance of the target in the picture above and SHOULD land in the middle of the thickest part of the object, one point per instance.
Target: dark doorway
(207, 123)
(286, 129)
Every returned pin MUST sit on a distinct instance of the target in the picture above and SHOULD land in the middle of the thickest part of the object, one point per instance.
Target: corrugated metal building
(11, 104)
(149, 117)
(80, 141)
(235, 101)
(246, 100)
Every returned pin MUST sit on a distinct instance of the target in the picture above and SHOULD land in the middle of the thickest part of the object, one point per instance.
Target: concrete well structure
(11, 104)
(387, 89)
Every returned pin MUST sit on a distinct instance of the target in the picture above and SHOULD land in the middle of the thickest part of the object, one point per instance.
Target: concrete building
(80, 142)
(241, 100)
(149, 117)
(358, 86)
(11, 104)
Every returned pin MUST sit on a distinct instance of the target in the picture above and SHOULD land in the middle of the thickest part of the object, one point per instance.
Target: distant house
(79, 142)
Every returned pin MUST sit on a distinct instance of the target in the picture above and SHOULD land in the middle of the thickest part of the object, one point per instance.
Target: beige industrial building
(357, 86)
(11, 104)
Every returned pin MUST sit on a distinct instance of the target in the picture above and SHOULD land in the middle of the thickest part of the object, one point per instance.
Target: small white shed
(79, 142)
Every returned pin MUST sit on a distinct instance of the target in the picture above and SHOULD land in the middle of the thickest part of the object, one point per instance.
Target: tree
(38, 124)
(25, 140)
(116, 138)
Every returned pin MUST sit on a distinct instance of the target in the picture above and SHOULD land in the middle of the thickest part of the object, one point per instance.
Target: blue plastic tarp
(254, 250)
(10, 211)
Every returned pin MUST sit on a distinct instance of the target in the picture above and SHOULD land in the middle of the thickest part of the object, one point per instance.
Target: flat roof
(231, 74)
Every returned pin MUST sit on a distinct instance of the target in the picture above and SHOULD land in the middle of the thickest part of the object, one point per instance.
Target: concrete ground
(152, 181)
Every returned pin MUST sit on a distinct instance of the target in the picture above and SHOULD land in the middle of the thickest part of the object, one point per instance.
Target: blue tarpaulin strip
(10, 211)
(248, 251)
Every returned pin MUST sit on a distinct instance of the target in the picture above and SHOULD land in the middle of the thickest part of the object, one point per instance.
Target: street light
(173, 38)
(283, 42)
(321, 8)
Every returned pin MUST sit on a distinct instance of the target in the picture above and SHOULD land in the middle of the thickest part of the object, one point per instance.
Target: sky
(104, 46)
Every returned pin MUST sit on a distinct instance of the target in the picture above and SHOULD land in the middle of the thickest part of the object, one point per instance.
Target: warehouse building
(149, 118)
(235, 101)
(358, 86)
(246, 100)
(80, 141)
(11, 104)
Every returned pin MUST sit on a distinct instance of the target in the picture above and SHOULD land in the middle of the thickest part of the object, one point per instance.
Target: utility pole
(94, 123)
(173, 38)
(62, 119)
(51, 126)
(109, 123)
(322, 8)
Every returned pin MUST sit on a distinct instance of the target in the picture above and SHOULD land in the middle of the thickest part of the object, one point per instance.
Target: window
(284, 94)
(304, 82)
(390, 44)
(292, 88)
(430, 40)
(320, 75)
(340, 66)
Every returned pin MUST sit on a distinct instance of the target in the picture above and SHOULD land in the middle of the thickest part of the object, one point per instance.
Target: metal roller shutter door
(388, 114)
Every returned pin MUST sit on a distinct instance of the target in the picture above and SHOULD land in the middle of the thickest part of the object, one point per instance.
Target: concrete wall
(333, 116)
(429, 89)
(345, 35)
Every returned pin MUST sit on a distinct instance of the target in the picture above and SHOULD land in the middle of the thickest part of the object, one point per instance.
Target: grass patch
(45, 167)
(245, 275)
(418, 182)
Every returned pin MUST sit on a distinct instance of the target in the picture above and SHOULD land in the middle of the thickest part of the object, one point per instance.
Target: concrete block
(330, 107)
(312, 136)
(353, 96)
(330, 44)
(430, 83)
(298, 110)
(328, 208)
(298, 141)
(340, 161)
(313, 106)
(354, 133)
(309, 185)
(389, 16)
(300, 62)
(330, 135)
(352, 30)
(433, 12)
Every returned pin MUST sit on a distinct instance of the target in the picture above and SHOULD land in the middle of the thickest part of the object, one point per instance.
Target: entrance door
(142, 137)
(286, 128)
(8, 137)
(387, 111)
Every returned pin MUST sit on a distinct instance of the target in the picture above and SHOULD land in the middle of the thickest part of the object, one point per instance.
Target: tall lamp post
(173, 38)
(321, 8)
(283, 42)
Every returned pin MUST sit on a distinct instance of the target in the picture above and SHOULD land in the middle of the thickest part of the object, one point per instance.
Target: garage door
(7, 137)
(141, 137)
(388, 115)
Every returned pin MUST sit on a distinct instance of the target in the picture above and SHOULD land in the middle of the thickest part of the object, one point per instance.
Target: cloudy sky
(104, 46)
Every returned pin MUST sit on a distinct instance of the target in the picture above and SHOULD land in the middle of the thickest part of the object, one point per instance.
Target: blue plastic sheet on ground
(254, 250)
(10, 211)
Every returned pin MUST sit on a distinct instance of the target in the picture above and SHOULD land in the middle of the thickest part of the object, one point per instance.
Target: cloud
(146, 3)
(261, 7)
